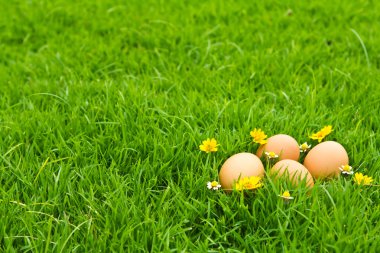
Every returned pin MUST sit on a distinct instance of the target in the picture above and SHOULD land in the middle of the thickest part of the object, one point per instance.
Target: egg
(285, 146)
(238, 166)
(324, 159)
(292, 170)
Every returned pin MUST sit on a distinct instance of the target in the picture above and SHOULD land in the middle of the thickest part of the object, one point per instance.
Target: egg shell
(293, 171)
(285, 146)
(238, 166)
(324, 159)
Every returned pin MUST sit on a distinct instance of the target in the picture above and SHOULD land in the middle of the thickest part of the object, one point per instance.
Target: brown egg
(285, 146)
(292, 170)
(238, 166)
(325, 159)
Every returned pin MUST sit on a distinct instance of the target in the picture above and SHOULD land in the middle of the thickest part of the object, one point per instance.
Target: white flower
(271, 155)
(346, 169)
(304, 147)
(286, 195)
(213, 185)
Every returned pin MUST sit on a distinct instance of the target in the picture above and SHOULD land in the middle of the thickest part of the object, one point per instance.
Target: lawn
(104, 103)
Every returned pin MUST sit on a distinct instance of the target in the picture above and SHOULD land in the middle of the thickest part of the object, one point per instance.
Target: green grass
(103, 105)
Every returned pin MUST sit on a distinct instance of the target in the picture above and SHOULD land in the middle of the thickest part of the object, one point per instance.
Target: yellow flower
(271, 155)
(322, 133)
(209, 145)
(258, 136)
(361, 179)
(327, 130)
(249, 183)
(304, 147)
(286, 195)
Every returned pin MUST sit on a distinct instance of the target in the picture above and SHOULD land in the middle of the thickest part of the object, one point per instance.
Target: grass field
(103, 106)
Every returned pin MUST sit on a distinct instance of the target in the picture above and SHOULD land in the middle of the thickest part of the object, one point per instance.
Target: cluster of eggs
(322, 161)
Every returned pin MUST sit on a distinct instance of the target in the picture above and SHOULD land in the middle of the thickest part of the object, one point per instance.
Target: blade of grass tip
(328, 194)
(72, 232)
(41, 169)
(45, 214)
(60, 159)
(17, 203)
(13, 148)
(52, 95)
(6, 161)
(50, 223)
(363, 46)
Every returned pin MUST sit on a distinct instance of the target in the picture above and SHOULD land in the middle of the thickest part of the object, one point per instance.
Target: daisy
(346, 169)
(271, 155)
(286, 195)
(304, 147)
(213, 185)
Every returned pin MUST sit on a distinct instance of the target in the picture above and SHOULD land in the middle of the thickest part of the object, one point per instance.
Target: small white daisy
(271, 155)
(213, 185)
(286, 195)
(346, 169)
(304, 147)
